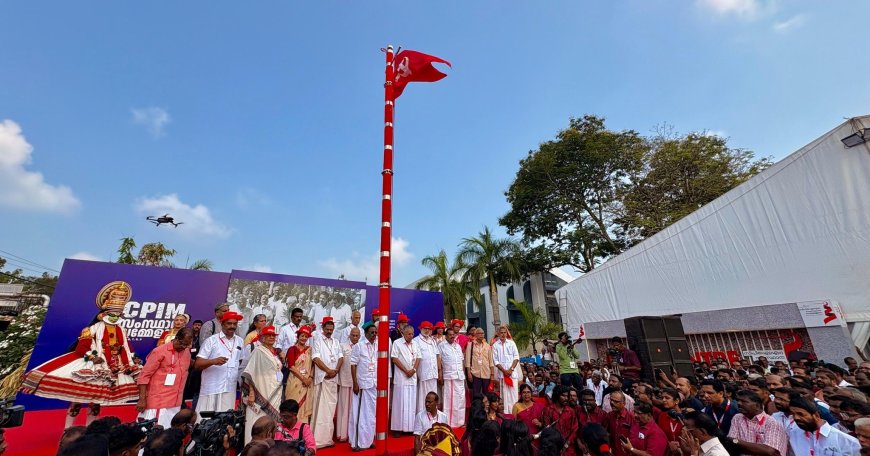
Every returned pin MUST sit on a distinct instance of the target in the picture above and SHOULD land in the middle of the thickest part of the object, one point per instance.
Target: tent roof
(798, 231)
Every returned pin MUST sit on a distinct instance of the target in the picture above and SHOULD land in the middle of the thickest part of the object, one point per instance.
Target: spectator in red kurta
(161, 382)
(669, 421)
(618, 423)
(588, 410)
(647, 438)
(461, 339)
(563, 418)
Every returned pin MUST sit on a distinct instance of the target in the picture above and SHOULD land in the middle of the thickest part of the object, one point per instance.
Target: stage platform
(42, 430)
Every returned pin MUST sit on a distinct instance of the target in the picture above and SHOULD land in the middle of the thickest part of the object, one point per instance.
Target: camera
(149, 427)
(297, 443)
(10, 415)
(208, 436)
(613, 353)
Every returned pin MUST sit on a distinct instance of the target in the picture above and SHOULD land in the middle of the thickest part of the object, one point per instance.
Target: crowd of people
(305, 385)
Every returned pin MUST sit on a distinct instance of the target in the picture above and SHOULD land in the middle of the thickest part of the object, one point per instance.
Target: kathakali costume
(100, 370)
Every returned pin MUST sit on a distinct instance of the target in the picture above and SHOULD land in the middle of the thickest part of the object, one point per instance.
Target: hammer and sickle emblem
(402, 71)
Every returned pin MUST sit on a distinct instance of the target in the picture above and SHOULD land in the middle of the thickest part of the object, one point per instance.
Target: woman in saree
(178, 322)
(262, 381)
(300, 382)
(528, 410)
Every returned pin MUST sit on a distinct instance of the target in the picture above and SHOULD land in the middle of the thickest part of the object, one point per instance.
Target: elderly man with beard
(161, 382)
(327, 357)
(506, 358)
(430, 359)
(452, 377)
(812, 435)
(364, 374)
(345, 386)
(754, 431)
(219, 359)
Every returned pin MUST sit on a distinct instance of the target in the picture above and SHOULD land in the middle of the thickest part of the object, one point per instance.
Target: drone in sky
(166, 218)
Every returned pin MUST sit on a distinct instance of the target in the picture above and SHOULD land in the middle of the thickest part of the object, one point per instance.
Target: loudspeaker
(660, 343)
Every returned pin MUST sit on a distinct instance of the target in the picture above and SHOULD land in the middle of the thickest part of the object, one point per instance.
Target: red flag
(413, 66)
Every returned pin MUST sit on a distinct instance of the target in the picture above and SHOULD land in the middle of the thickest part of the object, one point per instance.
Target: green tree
(680, 175)
(125, 251)
(533, 327)
(447, 278)
(491, 259)
(564, 197)
(16, 346)
(202, 265)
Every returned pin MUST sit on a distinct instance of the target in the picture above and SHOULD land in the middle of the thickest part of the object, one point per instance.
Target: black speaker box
(660, 343)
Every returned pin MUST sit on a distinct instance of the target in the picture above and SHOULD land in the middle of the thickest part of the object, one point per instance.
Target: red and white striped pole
(382, 421)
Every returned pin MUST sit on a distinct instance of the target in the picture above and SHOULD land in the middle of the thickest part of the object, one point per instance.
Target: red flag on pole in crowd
(413, 66)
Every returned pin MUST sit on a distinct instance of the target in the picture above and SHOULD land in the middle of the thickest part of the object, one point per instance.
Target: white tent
(799, 231)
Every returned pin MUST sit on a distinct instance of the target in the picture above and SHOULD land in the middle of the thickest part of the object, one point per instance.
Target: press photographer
(217, 434)
(567, 355)
(626, 362)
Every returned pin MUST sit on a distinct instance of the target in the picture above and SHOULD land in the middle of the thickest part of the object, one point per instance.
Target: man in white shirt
(426, 418)
(814, 436)
(596, 385)
(345, 387)
(287, 335)
(430, 358)
(452, 376)
(364, 373)
(506, 357)
(219, 359)
(328, 357)
(355, 318)
(698, 436)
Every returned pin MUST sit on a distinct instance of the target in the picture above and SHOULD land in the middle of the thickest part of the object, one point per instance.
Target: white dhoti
(454, 402)
(509, 395)
(164, 416)
(325, 401)
(252, 414)
(219, 402)
(345, 399)
(362, 418)
(404, 410)
(425, 387)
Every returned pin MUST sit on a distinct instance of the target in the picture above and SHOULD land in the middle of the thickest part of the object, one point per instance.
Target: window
(510, 293)
(527, 292)
(553, 315)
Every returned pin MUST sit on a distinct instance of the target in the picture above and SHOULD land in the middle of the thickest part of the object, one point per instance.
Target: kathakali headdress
(114, 296)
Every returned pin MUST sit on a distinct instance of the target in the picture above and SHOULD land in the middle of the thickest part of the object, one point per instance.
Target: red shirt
(596, 416)
(619, 425)
(566, 424)
(671, 427)
(650, 438)
(160, 363)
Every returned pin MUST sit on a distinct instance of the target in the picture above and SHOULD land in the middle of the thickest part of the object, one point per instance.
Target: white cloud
(23, 189)
(790, 23)
(197, 220)
(368, 268)
(257, 267)
(739, 7)
(85, 256)
(153, 119)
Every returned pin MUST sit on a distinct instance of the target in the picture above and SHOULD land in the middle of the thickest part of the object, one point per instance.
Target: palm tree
(202, 265)
(533, 327)
(447, 279)
(490, 259)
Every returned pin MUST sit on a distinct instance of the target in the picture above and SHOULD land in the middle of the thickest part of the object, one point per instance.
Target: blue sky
(260, 124)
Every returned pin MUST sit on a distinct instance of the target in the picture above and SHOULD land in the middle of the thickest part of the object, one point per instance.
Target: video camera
(149, 427)
(10, 415)
(208, 436)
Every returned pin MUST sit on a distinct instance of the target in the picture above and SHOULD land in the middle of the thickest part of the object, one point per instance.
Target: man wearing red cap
(399, 330)
(430, 358)
(328, 358)
(219, 359)
(461, 339)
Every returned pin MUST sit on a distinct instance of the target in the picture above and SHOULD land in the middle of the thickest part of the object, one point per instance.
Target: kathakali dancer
(99, 370)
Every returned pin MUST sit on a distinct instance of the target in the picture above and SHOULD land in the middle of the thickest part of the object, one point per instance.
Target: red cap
(326, 319)
(440, 324)
(268, 331)
(231, 316)
(425, 325)
(304, 330)
(376, 313)
(402, 317)
(460, 323)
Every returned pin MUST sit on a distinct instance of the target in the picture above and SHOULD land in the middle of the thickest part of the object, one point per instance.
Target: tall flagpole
(382, 416)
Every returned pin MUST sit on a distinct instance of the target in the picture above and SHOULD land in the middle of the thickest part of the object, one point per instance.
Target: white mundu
(345, 394)
(404, 409)
(504, 354)
(427, 374)
(361, 429)
(452, 362)
(328, 351)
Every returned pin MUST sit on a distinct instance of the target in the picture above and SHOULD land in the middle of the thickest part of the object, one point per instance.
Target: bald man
(355, 319)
